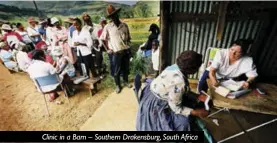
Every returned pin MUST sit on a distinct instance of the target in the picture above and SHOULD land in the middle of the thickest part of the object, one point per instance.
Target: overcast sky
(124, 2)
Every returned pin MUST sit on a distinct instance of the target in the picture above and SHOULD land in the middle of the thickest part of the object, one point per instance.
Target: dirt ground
(23, 108)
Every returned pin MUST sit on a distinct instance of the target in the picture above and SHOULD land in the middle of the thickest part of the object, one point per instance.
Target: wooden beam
(221, 19)
(164, 11)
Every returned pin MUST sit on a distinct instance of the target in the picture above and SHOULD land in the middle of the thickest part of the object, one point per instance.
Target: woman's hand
(245, 85)
(110, 51)
(215, 83)
(76, 43)
(200, 113)
(202, 98)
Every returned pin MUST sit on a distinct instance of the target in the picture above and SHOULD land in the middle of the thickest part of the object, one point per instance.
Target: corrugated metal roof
(199, 35)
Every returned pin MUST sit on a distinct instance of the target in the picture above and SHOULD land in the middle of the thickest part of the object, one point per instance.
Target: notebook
(222, 91)
(232, 85)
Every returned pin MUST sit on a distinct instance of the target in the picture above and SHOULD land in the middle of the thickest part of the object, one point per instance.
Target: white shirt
(155, 59)
(33, 31)
(92, 31)
(23, 60)
(24, 36)
(244, 65)
(82, 37)
(39, 69)
(49, 35)
(118, 37)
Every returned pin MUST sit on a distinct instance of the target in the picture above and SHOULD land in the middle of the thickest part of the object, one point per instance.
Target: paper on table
(232, 85)
(222, 91)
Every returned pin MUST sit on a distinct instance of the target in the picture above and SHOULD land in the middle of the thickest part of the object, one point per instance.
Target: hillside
(8, 12)
(63, 8)
(71, 8)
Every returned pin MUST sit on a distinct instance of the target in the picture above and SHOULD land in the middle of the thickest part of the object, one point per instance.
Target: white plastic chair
(44, 81)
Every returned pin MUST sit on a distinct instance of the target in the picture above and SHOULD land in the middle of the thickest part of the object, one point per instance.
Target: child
(98, 58)
(155, 56)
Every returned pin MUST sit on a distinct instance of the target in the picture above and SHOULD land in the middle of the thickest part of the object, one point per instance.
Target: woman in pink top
(60, 35)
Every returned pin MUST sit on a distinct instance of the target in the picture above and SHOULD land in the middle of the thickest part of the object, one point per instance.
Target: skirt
(154, 114)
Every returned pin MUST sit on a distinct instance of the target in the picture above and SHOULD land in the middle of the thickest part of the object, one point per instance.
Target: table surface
(266, 104)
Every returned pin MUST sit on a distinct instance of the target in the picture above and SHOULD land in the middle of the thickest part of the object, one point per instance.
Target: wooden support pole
(36, 8)
(165, 7)
(221, 19)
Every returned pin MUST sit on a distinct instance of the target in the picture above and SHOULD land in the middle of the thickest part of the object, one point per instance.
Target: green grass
(139, 33)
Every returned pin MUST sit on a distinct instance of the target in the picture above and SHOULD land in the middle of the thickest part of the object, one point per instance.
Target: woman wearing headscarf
(60, 35)
(40, 68)
(165, 103)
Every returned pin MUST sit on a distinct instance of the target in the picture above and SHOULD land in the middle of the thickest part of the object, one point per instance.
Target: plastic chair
(44, 81)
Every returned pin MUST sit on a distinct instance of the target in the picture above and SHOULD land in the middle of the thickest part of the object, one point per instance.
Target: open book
(232, 85)
(231, 89)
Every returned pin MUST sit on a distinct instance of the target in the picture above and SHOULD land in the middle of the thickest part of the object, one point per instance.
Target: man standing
(118, 36)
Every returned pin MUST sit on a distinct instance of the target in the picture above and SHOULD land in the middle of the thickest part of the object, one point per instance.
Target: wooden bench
(91, 84)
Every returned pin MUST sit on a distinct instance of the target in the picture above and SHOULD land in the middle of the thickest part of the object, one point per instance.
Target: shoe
(117, 89)
(127, 85)
(72, 92)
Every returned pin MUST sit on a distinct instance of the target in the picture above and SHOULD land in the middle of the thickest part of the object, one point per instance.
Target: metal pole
(253, 128)
(36, 8)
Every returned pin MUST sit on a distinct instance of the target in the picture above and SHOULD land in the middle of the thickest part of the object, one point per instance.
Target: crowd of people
(47, 47)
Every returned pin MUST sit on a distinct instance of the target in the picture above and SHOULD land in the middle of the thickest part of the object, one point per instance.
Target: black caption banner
(100, 136)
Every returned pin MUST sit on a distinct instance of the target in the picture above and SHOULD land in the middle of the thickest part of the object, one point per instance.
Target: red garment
(99, 33)
(40, 44)
(12, 33)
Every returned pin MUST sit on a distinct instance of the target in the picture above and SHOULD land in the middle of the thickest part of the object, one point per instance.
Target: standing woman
(60, 36)
(82, 40)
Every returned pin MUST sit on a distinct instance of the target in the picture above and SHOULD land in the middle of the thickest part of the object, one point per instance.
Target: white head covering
(6, 27)
(102, 19)
(54, 20)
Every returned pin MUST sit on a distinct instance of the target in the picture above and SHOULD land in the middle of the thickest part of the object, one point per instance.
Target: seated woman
(39, 68)
(22, 58)
(43, 46)
(232, 63)
(64, 65)
(6, 56)
(163, 105)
